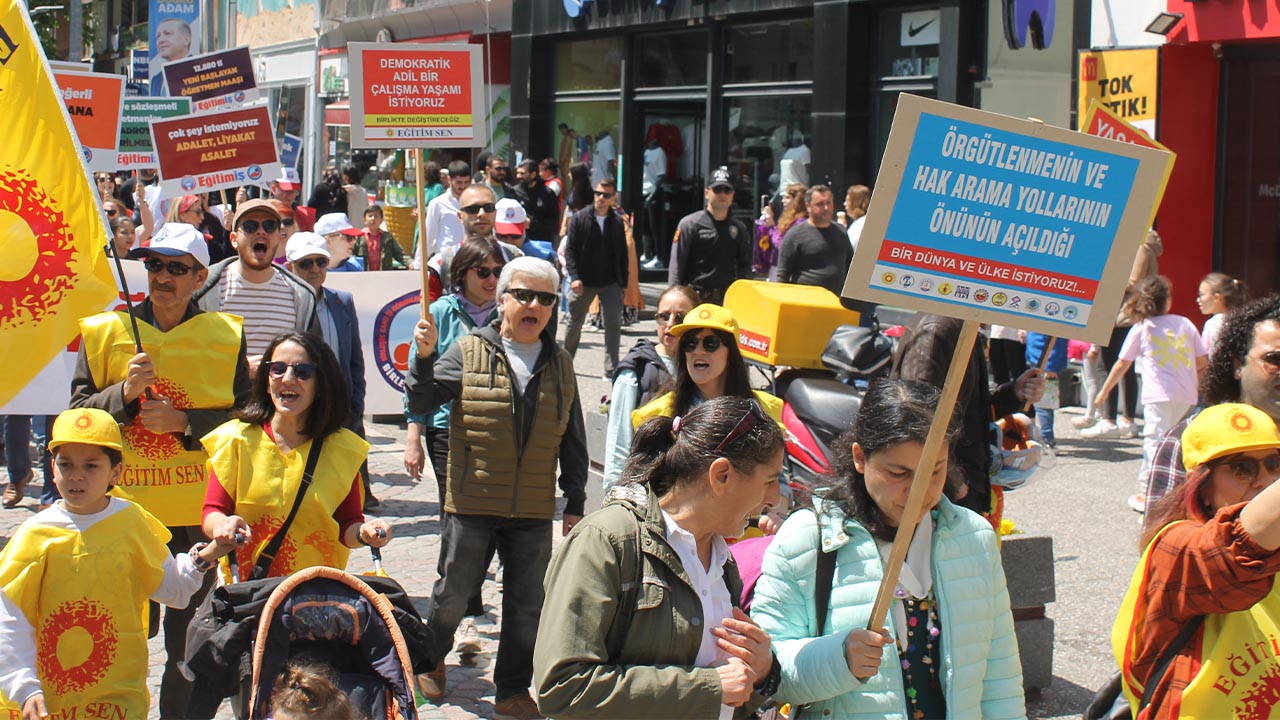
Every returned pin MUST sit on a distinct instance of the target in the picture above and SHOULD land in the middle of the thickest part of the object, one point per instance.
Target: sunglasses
(302, 371)
(755, 415)
(175, 268)
(1245, 469)
(485, 273)
(308, 263)
(251, 226)
(1270, 361)
(509, 238)
(669, 318)
(287, 222)
(710, 343)
(477, 208)
(524, 296)
(722, 190)
(605, 195)
(112, 213)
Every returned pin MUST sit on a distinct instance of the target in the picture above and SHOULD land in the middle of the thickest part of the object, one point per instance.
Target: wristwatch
(768, 686)
(202, 565)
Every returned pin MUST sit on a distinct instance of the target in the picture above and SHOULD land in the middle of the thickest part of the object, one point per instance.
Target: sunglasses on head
(175, 268)
(251, 226)
(669, 318)
(755, 415)
(308, 263)
(1245, 468)
(602, 194)
(710, 343)
(476, 208)
(524, 296)
(303, 371)
(485, 273)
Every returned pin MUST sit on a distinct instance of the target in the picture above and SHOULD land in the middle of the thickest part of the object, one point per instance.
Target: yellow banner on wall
(53, 263)
(1126, 82)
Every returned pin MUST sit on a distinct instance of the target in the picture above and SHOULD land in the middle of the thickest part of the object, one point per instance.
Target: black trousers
(175, 690)
(438, 450)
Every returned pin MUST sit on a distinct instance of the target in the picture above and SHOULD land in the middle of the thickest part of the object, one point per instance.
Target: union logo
(83, 421)
(152, 446)
(31, 221)
(64, 660)
(1240, 423)
(393, 337)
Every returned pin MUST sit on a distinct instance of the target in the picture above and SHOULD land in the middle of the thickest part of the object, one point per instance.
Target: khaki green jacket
(654, 675)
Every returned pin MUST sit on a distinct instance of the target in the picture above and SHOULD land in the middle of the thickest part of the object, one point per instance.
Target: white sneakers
(467, 639)
(1106, 429)
(1084, 421)
(1138, 503)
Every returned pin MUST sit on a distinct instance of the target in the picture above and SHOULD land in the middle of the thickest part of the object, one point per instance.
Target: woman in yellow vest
(257, 462)
(1204, 594)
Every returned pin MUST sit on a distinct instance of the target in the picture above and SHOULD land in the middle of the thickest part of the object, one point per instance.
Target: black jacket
(543, 208)
(597, 259)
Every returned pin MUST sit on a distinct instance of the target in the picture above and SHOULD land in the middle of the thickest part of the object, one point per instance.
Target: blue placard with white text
(290, 150)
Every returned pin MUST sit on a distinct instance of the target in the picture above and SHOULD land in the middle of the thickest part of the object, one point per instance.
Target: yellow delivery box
(782, 324)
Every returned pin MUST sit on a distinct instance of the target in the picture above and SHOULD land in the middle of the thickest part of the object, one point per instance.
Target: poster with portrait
(175, 34)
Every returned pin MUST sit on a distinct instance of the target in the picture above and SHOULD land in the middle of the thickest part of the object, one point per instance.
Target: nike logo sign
(913, 31)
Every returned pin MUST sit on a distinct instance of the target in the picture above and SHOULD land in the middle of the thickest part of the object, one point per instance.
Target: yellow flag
(53, 265)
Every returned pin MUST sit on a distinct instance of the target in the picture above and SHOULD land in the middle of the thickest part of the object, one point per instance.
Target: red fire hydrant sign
(416, 96)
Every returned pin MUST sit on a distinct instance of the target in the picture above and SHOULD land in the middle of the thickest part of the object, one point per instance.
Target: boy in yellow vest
(75, 580)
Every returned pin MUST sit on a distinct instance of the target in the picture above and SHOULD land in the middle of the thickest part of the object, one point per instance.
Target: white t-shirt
(855, 232)
(600, 159)
(1212, 327)
(1165, 349)
(794, 162)
(655, 166)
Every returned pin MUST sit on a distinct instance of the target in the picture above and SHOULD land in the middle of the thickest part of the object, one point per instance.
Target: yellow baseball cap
(85, 425)
(1227, 429)
(707, 315)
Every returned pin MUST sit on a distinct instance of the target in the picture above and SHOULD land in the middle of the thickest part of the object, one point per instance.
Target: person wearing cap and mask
(286, 189)
(711, 249)
(1205, 587)
(191, 374)
(342, 238)
(307, 256)
(271, 300)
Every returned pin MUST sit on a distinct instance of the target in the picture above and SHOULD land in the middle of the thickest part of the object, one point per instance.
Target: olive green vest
(488, 472)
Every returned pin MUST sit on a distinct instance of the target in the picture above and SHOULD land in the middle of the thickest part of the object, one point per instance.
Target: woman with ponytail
(641, 616)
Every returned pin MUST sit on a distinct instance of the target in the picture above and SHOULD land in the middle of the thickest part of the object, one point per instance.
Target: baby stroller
(364, 629)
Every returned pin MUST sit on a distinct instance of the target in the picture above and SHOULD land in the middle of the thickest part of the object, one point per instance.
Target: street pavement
(1080, 503)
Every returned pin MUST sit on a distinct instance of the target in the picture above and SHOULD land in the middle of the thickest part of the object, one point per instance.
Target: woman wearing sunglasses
(642, 375)
(949, 650)
(1203, 600)
(257, 462)
(640, 618)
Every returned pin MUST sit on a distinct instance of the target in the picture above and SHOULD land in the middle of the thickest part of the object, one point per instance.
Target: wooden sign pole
(920, 483)
(420, 181)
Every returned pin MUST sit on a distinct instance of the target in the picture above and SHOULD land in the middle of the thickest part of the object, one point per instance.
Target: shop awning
(338, 113)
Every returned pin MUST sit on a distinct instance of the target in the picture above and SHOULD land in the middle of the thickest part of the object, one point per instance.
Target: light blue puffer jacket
(981, 672)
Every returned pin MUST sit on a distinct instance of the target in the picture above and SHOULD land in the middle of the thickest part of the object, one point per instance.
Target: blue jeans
(1044, 418)
(17, 438)
(525, 549)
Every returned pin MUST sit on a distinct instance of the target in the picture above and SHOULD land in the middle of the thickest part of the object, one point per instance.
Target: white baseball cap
(303, 244)
(289, 179)
(511, 217)
(175, 238)
(336, 222)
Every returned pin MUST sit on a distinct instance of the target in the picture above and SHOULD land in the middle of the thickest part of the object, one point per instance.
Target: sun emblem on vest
(1240, 423)
(152, 446)
(72, 620)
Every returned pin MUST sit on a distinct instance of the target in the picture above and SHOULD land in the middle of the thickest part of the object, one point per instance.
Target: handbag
(1110, 703)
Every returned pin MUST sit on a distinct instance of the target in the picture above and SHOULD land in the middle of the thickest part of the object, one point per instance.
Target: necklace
(919, 659)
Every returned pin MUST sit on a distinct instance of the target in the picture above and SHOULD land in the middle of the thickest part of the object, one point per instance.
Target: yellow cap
(1227, 429)
(707, 315)
(85, 425)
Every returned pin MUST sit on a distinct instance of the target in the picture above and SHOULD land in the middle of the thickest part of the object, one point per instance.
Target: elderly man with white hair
(516, 414)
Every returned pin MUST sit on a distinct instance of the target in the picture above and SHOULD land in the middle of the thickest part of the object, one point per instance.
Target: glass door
(669, 171)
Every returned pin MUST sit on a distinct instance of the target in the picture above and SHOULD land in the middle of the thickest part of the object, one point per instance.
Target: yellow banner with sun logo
(53, 262)
(83, 591)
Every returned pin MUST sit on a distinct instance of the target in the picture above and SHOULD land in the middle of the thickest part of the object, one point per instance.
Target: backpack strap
(1166, 659)
(268, 554)
(825, 575)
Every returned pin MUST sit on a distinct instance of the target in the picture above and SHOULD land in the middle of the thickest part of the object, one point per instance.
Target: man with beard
(165, 398)
(271, 300)
(540, 203)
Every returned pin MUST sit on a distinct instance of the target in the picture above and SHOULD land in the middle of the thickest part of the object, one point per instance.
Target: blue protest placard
(290, 150)
(989, 218)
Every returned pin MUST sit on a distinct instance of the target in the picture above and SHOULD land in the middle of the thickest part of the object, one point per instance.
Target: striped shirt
(268, 309)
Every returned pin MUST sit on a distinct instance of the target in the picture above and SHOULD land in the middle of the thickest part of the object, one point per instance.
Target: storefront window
(589, 65)
(591, 137)
(769, 145)
(770, 52)
(672, 59)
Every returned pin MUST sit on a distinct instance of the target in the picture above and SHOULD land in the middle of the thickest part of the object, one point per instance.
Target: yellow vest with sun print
(85, 595)
(263, 482)
(195, 365)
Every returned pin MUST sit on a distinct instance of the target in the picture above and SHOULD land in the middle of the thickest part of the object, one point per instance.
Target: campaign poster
(290, 150)
(1126, 82)
(416, 96)
(175, 34)
(139, 65)
(199, 153)
(135, 150)
(1006, 221)
(214, 81)
(93, 102)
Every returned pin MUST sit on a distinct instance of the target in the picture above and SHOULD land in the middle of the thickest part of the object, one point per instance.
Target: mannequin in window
(655, 171)
(603, 158)
(795, 162)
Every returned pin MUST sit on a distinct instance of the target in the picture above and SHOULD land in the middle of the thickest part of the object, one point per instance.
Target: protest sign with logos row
(200, 153)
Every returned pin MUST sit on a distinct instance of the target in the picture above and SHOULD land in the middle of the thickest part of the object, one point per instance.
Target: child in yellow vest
(74, 585)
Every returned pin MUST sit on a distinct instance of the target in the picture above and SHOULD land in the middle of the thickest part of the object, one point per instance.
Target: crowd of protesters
(640, 612)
